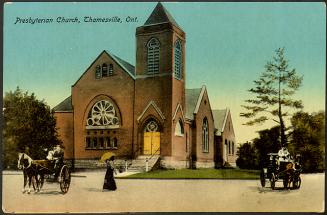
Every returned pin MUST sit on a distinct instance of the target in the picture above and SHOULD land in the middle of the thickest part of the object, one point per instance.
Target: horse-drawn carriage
(282, 168)
(36, 171)
(54, 172)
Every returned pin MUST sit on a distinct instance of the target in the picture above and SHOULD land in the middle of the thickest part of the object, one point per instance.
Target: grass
(198, 174)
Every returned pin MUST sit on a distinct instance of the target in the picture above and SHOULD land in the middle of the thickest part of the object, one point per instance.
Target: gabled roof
(179, 108)
(191, 100)
(64, 106)
(124, 64)
(127, 67)
(220, 118)
(155, 106)
(160, 15)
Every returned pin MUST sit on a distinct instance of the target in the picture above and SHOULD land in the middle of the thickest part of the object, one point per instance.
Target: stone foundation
(233, 164)
(69, 163)
(205, 164)
(88, 164)
(165, 162)
(170, 163)
(96, 164)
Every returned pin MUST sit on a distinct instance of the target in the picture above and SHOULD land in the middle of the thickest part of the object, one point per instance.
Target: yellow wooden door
(155, 143)
(147, 143)
(151, 143)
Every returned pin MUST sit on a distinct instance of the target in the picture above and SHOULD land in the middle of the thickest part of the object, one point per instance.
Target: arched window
(98, 72)
(179, 128)
(102, 115)
(229, 148)
(104, 70)
(153, 56)
(205, 136)
(111, 69)
(101, 142)
(94, 142)
(114, 143)
(226, 149)
(107, 142)
(88, 142)
(178, 59)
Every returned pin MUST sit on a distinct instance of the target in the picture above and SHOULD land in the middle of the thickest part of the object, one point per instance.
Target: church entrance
(151, 139)
(151, 143)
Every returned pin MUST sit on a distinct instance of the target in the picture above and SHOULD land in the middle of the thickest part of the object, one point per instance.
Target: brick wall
(119, 89)
(154, 89)
(229, 136)
(65, 126)
(204, 111)
(179, 144)
(162, 88)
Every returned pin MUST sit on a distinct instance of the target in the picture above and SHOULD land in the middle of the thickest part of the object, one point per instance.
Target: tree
(254, 155)
(247, 156)
(267, 142)
(273, 91)
(308, 139)
(29, 126)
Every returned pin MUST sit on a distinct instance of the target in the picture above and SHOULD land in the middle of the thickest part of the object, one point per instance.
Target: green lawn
(199, 173)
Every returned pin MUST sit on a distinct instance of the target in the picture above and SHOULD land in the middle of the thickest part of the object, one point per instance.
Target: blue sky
(227, 46)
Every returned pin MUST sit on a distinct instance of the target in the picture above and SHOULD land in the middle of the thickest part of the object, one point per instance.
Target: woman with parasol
(109, 180)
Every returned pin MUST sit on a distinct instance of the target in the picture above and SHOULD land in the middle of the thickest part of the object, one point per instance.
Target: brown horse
(30, 172)
(289, 172)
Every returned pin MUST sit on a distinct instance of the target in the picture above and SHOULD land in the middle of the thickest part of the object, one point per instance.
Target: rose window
(103, 113)
(152, 126)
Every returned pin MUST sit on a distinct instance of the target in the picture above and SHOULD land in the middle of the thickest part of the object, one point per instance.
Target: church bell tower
(160, 76)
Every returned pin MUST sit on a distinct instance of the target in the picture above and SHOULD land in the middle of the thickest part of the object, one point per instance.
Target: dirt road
(134, 195)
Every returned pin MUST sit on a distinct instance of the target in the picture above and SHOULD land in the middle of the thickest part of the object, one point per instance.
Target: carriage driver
(56, 155)
(284, 155)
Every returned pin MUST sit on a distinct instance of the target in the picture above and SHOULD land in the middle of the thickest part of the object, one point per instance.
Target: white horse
(30, 172)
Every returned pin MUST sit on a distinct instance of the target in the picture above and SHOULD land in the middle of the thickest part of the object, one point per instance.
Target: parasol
(107, 156)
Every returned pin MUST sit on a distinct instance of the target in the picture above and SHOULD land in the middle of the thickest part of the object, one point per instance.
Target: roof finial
(160, 15)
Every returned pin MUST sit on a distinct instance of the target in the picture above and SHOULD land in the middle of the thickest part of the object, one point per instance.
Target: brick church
(145, 110)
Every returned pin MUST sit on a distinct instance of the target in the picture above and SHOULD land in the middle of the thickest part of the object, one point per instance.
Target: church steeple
(160, 15)
(160, 45)
(160, 75)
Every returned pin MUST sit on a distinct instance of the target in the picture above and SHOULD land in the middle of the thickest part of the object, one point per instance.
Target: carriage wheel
(64, 179)
(297, 183)
(272, 181)
(262, 178)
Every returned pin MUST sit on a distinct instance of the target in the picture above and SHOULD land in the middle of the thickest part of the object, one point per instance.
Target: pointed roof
(127, 67)
(124, 64)
(220, 118)
(160, 15)
(191, 100)
(64, 106)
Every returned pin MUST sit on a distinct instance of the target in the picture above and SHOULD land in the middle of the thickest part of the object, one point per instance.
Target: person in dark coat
(109, 181)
